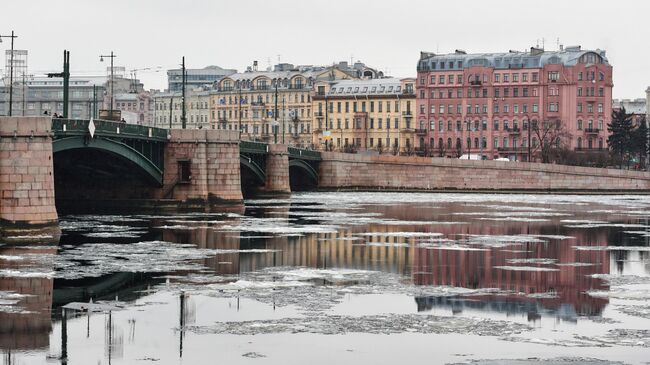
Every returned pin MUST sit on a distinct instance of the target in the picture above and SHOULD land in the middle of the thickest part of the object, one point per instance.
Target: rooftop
(386, 86)
(535, 58)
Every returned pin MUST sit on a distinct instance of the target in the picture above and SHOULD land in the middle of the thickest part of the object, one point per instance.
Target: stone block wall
(339, 170)
(26, 172)
(277, 170)
(214, 164)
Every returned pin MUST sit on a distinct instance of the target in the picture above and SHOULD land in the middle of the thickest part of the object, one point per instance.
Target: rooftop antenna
(278, 58)
(537, 43)
(543, 42)
(351, 60)
(557, 41)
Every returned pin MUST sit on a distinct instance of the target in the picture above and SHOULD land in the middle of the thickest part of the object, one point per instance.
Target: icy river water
(322, 278)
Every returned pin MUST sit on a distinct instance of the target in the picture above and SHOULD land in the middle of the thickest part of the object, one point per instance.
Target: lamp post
(101, 59)
(11, 69)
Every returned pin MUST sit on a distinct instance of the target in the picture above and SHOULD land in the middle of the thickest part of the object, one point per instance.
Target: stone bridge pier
(26, 173)
(277, 170)
(202, 167)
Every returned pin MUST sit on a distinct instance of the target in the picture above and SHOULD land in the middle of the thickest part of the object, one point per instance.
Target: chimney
(534, 51)
(561, 47)
(254, 65)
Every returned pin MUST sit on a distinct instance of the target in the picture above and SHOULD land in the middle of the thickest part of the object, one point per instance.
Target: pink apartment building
(484, 103)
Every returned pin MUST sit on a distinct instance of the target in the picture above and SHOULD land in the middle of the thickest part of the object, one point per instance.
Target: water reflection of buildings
(384, 250)
(27, 326)
(560, 287)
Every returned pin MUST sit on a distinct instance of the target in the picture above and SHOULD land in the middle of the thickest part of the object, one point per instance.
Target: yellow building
(376, 114)
(247, 101)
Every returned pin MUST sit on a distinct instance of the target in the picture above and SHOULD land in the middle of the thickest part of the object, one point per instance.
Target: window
(442, 109)
(600, 107)
(441, 80)
(515, 92)
(579, 125)
(496, 92)
(579, 91)
(535, 77)
(525, 91)
(553, 76)
(496, 142)
(496, 125)
(432, 125)
(184, 171)
(515, 77)
(433, 109)
(524, 77)
(553, 107)
(601, 91)
(497, 77)
(579, 76)
(579, 108)
(506, 78)
(590, 107)
(433, 79)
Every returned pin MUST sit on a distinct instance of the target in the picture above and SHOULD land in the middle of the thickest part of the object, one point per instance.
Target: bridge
(135, 166)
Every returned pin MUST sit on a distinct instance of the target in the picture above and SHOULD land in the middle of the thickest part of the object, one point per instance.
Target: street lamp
(11, 69)
(101, 59)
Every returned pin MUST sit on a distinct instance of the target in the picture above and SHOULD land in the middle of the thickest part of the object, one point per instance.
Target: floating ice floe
(612, 248)
(525, 268)
(541, 261)
(535, 361)
(399, 234)
(373, 324)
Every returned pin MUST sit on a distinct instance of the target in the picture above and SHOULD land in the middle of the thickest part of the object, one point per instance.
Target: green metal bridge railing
(74, 127)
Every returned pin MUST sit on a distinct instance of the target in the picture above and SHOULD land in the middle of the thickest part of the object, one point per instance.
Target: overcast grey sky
(384, 34)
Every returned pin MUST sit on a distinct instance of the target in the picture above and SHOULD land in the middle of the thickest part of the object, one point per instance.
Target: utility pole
(11, 69)
(184, 79)
(275, 115)
(239, 110)
(112, 57)
(94, 101)
(66, 80)
(283, 121)
(171, 110)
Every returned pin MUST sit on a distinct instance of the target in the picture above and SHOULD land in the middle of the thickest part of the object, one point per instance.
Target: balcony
(258, 103)
(475, 83)
(407, 114)
(421, 132)
(319, 114)
(592, 130)
(514, 130)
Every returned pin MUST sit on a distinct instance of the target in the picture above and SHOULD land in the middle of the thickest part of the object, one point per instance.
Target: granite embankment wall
(357, 171)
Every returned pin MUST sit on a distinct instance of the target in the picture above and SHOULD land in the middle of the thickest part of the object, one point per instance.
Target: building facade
(40, 95)
(136, 108)
(376, 114)
(168, 109)
(254, 101)
(196, 77)
(484, 103)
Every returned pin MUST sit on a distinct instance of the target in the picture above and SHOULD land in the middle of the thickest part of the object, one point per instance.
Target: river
(320, 278)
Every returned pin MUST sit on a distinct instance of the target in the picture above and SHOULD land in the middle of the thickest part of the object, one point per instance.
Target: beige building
(375, 114)
(168, 109)
(248, 101)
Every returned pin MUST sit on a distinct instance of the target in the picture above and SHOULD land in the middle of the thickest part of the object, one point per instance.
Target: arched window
(458, 144)
(590, 142)
(440, 142)
(600, 143)
(579, 142)
(476, 142)
(448, 143)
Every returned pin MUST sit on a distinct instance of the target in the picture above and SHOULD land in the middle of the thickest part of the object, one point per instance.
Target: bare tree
(552, 139)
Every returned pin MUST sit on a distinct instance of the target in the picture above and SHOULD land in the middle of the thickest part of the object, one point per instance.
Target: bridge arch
(302, 176)
(113, 147)
(256, 170)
